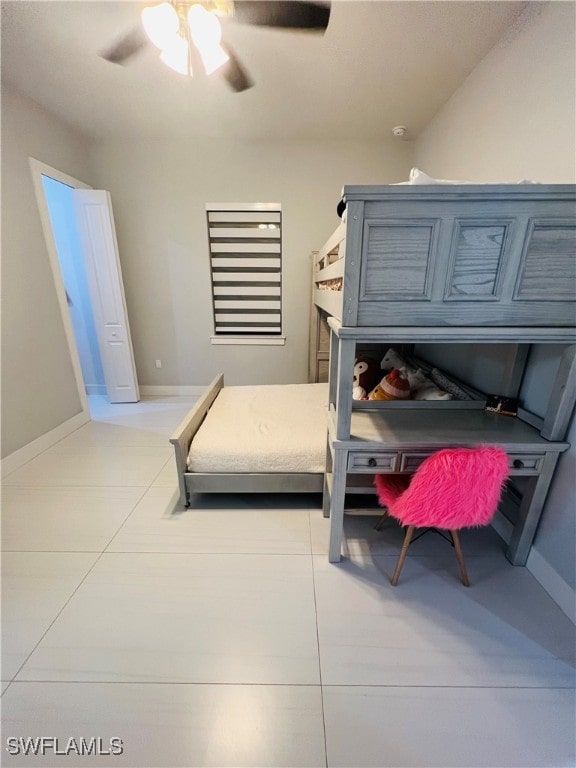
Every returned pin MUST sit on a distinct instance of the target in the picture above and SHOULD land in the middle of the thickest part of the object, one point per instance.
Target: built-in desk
(398, 441)
(470, 264)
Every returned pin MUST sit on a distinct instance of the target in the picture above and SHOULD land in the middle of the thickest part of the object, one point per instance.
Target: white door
(100, 252)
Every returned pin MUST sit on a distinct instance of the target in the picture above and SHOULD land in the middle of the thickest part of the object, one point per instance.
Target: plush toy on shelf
(366, 375)
(430, 391)
(391, 360)
(421, 387)
(394, 386)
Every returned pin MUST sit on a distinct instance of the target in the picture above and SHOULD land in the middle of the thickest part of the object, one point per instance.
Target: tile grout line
(5, 689)
(58, 614)
(49, 627)
(322, 686)
(20, 486)
(165, 682)
(123, 523)
(45, 488)
(6, 476)
(298, 685)
(150, 551)
(318, 640)
(129, 515)
(65, 437)
(73, 449)
(145, 490)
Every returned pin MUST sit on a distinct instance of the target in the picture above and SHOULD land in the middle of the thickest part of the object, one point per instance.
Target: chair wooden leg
(460, 558)
(381, 520)
(403, 553)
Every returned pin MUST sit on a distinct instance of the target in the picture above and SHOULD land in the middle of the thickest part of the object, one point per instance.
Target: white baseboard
(558, 589)
(33, 449)
(169, 390)
(543, 572)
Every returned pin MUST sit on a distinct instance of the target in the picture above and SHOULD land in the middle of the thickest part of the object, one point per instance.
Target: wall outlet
(158, 363)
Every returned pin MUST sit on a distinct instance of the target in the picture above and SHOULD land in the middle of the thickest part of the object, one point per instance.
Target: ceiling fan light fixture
(161, 24)
(176, 56)
(213, 58)
(206, 34)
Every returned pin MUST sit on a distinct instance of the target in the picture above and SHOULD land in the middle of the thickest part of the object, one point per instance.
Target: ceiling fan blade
(126, 47)
(289, 14)
(235, 74)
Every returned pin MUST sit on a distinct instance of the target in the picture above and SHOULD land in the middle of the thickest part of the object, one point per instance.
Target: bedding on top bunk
(418, 177)
(277, 428)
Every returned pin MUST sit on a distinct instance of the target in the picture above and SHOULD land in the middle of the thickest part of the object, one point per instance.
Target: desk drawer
(410, 461)
(525, 463)
(518, 463)
(362, 461)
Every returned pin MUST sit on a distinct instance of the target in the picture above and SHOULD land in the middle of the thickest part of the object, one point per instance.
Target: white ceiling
(380, 64)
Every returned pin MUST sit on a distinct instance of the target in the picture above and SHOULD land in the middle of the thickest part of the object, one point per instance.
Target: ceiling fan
(189, 33)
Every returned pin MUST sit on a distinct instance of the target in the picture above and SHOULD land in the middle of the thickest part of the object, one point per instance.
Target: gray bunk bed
(444, 265)
(473, 264)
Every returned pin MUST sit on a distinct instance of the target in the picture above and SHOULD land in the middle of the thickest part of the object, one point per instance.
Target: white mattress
(271, 428)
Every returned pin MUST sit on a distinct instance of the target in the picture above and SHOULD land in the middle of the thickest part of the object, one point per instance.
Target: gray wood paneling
(183, 435)
(548, 268)
(254, 483)
(353, 246)
(407, 334)
(562, 397)
(477, 260)
(475, 314)
(398, 259)
(432, 429)
(498, 255)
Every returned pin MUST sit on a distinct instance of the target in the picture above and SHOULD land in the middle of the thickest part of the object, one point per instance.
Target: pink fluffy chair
(452, 489)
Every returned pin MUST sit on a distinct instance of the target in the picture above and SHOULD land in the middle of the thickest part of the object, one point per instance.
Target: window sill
(256, 341)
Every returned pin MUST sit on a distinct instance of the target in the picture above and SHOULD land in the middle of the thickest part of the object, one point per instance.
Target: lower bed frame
(216, 482)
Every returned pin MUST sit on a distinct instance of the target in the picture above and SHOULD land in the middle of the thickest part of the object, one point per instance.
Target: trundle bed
(253, 439)
(420, 268)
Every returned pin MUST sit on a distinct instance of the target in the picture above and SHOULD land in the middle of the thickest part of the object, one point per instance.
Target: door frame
(39, 169)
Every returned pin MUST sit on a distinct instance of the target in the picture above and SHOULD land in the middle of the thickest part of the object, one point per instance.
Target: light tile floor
(221, 635)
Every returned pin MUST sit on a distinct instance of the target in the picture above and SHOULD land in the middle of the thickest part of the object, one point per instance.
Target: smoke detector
(400, 131)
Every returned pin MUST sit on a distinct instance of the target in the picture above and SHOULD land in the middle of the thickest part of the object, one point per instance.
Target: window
(246, 270)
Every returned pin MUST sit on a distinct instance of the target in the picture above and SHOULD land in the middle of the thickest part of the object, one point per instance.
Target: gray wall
(39, 390)
(159, 191)
(514, 118)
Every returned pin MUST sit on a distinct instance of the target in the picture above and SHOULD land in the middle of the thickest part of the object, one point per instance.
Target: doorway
(65, 232)
(79, 231)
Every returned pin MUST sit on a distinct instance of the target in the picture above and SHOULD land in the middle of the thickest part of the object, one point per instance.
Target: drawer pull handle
(518, 463)
(372, 462)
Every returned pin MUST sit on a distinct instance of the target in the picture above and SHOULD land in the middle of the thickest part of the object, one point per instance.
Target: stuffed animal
(392, 360)
(416, 378)
(366, 375)
(430, 391)
(394, 386)
(422, 387)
